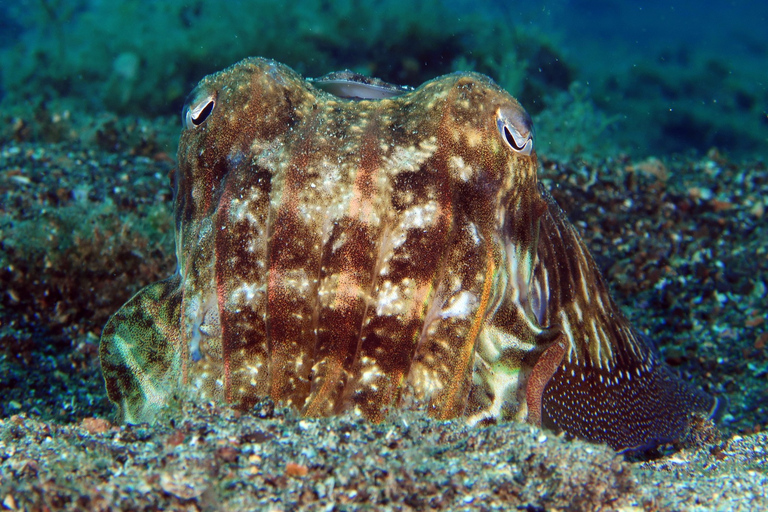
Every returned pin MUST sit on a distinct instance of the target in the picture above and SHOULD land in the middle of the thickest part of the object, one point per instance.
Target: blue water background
(676, 43)
(651, 77)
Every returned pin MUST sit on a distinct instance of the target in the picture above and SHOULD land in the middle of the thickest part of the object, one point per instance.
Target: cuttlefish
(345, 245)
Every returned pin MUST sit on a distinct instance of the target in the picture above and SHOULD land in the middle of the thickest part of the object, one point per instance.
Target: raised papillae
(347, 245)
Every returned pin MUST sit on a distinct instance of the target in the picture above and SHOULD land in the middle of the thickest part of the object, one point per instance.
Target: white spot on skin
(394, 299)
(428, 145)
(419, 217)
(608, 347)
(582, 265)
(566, 327)
(298, 281)
(472, 228)
(416, 217)
(461, 305)
(389, 295)
(579, 313)
(195, 315)
(594, 346)
(460, 169)
(370, 373)
(206, 227)
(246, 293)
(542, 298)
(520, 272)
(600, 302)
(409, 159)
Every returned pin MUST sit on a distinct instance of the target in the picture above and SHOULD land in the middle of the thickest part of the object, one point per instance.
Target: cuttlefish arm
(600, 381)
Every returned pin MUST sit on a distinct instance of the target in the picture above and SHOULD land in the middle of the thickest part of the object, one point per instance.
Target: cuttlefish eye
(197, 109)
(516, 129)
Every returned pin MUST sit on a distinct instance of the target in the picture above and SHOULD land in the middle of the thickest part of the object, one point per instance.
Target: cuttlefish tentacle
(141, 378)
(541, 373)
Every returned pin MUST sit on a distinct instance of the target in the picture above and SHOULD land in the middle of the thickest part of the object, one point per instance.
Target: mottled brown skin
(363, 255)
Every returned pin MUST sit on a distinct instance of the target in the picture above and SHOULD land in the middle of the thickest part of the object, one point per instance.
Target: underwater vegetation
(150, 54)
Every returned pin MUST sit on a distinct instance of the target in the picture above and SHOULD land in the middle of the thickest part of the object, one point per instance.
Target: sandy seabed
(681, 241)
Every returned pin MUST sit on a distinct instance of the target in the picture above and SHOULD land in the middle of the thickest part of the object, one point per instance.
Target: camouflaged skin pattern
(363, 255)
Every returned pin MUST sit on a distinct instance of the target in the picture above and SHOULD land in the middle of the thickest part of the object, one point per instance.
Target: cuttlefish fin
(139, 356)
(611, 386)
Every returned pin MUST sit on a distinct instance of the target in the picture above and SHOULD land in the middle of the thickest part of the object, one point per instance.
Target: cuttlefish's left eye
(197, 109)
(516, 129)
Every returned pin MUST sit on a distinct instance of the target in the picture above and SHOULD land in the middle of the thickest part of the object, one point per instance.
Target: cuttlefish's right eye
(197, 108)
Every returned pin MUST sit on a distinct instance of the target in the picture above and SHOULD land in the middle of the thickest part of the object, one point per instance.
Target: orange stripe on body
(468, 349)
(341, 348)
(221, 297)
(281, 326)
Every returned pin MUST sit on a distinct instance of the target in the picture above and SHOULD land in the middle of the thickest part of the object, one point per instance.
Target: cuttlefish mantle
(382, 249)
